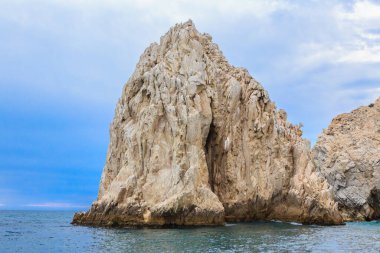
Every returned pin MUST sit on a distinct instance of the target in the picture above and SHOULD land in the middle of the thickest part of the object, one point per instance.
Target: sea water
(51, 231)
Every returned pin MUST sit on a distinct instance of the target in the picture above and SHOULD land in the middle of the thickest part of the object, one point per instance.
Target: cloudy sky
(63, 64)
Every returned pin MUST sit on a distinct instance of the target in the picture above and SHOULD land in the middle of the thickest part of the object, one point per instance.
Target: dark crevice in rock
(210, 156)
(374, 202)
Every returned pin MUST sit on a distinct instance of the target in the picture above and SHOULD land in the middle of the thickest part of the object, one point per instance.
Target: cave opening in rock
(210, 156)
(374, 202)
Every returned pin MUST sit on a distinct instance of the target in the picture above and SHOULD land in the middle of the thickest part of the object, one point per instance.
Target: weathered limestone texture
(348, 155)
(196, 141)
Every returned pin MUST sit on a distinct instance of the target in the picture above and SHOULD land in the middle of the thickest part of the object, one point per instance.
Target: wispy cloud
(179, 10)
(355, 39)
(56, 205)
(143, 11)
(364, 19)
(341, 48)
(363, 11)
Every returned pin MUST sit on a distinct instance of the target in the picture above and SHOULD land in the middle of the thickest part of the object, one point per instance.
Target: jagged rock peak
(196, 141)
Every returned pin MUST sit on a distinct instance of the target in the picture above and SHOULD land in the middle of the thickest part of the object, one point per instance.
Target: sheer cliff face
(348, 155)
(196, 141)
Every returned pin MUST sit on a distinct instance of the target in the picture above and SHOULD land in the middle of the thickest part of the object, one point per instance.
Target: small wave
(229, 224)
(295, 223)
(287, 222)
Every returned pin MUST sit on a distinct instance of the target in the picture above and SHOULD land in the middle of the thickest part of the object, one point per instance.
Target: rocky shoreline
(198, 142)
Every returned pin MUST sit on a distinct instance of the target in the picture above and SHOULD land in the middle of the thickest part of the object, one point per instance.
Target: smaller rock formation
(348, 155)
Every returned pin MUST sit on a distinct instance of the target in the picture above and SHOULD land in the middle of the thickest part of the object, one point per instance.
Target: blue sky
(63, 64)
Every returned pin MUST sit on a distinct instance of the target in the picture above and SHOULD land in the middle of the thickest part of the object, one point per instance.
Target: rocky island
(196, 141)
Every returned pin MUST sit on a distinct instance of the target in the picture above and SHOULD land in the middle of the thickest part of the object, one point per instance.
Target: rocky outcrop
(196, 141)
(348, 155)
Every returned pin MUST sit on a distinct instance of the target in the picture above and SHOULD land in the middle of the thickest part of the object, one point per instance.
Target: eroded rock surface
(348, 155)
(196, 141)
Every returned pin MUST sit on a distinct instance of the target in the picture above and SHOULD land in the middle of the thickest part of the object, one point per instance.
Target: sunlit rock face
(348, 155)
(196, 141)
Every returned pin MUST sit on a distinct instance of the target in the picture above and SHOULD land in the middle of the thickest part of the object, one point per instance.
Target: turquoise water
(43, 231)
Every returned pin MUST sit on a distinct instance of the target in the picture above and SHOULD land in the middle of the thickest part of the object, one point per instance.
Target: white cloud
(363, 20)
(155, 13)
(362, 11)
(56, 205)
(351, 36)
(363, 55)
(363, 96)
(360, 28)
(184, 9)
(320, 54)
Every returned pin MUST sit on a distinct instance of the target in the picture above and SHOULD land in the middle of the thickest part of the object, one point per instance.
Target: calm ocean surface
(44, 231)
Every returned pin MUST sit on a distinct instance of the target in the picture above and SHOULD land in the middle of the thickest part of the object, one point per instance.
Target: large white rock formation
(196, 141)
